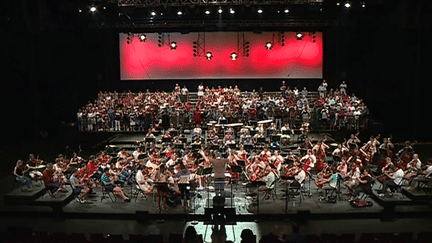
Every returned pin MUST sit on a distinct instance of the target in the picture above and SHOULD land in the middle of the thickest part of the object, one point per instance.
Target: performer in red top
(197, 115)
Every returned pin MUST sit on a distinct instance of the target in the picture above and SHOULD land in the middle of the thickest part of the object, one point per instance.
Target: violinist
(322, 177)
(49, 183)
(107, 181)
(78, 187)
(394, 181)
(352, 181)
(75, 160)
(19, 171)
(104, 160)
(353, 142)
(137, 153)
(123, 154)
(143, 181)
(183, 177)
(277, 160)
(92, 167)
(33, 164)
(162, 188)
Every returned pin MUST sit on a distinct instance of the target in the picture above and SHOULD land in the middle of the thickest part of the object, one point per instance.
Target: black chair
(105, 193)
(139, 191)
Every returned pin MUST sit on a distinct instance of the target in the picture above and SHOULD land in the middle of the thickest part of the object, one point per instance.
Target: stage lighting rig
(93, 9)
(199, 46)
(234, 56)
(209, 55)
(299, 36)
(143, 37)
(269, 46)
(232, 11)
(347, 5)
(173, 45)
(129, 37)
(242, 45)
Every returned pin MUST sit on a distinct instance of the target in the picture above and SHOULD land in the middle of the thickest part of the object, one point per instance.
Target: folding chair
(105, 192)
(139, 191)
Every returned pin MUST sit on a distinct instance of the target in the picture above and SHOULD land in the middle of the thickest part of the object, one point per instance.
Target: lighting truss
(164, 39)
(200, 45)
(175, 24)
(152, 3)
(242, 45)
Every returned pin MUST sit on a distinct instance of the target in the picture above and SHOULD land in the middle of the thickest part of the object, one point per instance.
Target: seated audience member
(78, 187)
(247, 236)
(48, 179)
(191, 236)
(365, 182)
(19, 172)
(110, 187)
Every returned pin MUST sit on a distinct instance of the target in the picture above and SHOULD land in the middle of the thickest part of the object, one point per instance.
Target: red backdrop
(146, 60)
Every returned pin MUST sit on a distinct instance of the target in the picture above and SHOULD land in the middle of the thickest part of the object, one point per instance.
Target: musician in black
(184, 176)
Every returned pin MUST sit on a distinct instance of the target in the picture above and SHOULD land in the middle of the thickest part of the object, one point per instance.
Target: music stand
(241, 162)
(248, 147)
(166, 140)
(286, 132)
(232, 146)
(276, 138)
(196, 146)
(150, 140)
(214, 147)
(236, 169)
(183, 140)
(261, 140)
(142, 156)
(223, 121)
(173, 133)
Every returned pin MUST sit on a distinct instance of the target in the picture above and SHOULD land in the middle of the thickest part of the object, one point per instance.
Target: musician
(216, 142)
(364, 185)
(75, 160)
(309, 161)
(107, 181)
(32, 164)
(19, 172)
(352, 176)
(387, 145)
(144, 181)
(277, 160)
(270, 179)
(395, 180)
(331, 180)
(92, 165)
(342, 169)
(123, 154)
(422, 176)
(104, 160)
(406, 153)
(413, 167)
(353, 141)
(371, 146)
(49, 183)
(162, 187)
(78, 187)
(137, 153)
(183, 177)
(338, 153)
(285, 138)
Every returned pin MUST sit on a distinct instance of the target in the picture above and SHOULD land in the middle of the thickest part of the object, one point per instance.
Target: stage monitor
(295, 59)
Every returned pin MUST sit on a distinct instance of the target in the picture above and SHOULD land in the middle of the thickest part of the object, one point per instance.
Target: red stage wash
(146, 60)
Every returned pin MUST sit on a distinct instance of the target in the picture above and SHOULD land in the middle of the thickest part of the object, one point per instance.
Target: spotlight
(93, 9)
(79, 10)
(143, 38)
(260, 11)
(347, 5)
(232, 11)
(153, 13)
(233, 56)
(286, 11)
(209, 55)
(269, 46)
(179, 12)
(363, 4)
(207, 12)
(337, 4)
(220, 11)
(173, 45)
(104, 8)
(299, 36)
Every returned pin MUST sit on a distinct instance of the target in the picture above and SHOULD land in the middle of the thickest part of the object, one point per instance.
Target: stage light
(173, 45)
(207, 12)
(232, 11)
(153, 13)
(93, 9)
(286, 11)
(179, 12)
(299, 36)
(337, 4)
(363, 4)
(143, 38)
(260, 11)
(233, 56)
(79, 10)
(269, 46)
(220, 11)
(347, 5)
(104, 8)
(209, 55)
